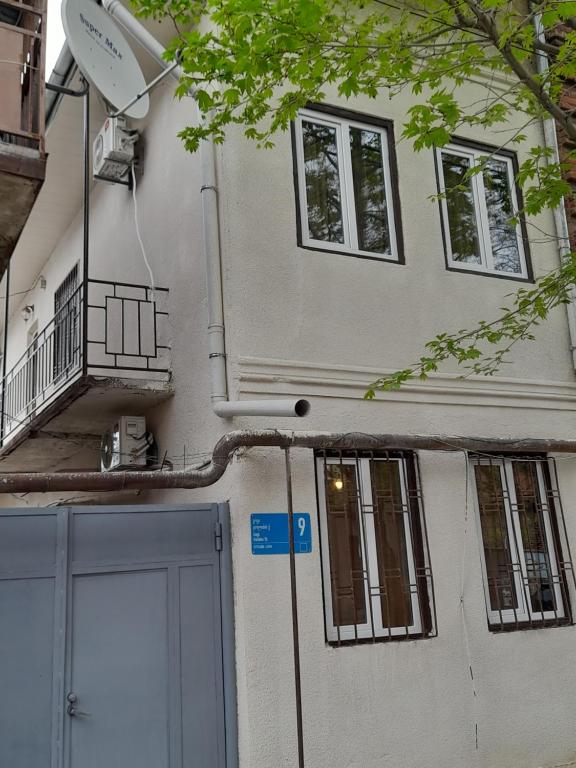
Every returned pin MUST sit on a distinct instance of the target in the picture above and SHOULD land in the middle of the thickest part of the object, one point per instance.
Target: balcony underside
(21, 177)
(69, 430)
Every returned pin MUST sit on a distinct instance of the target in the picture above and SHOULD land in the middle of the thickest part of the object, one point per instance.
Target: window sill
(380, 640)
(352, 254)
(528, 625)
(498, 275)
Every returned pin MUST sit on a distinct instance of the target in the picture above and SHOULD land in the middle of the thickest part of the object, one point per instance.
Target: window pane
(497, 553)
(536, 554)
(369, 191)
(500, 210)
(390, 531)
(462, 221)
(344, 541)
(322, 183)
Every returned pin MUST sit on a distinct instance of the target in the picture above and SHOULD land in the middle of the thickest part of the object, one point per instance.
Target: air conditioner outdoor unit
(125, 445)
(113, 150)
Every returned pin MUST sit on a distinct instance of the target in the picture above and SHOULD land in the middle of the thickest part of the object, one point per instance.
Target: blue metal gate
(116, 638)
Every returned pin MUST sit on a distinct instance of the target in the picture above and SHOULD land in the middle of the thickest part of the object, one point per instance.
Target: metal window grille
(66, 325)
(376, 571)
(525, 552)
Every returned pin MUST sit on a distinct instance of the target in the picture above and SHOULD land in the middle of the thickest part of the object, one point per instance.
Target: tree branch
(488, 24)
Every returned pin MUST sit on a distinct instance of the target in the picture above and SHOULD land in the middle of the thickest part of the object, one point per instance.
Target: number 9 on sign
(270, 533)
(302, 533)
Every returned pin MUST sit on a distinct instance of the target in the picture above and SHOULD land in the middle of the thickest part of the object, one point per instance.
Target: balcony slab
(21, 177)
(77, 419)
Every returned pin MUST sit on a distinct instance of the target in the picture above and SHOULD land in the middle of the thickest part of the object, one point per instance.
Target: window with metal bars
(525, 552)
(376, 569)
(66, 324)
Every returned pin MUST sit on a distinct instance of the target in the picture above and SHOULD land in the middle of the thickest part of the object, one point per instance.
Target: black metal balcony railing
(126, 332)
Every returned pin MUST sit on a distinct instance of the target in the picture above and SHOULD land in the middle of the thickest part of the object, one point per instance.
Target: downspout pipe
(219, 396)
(84, 94)
(4, 354)
(560, 220)
(48, 482)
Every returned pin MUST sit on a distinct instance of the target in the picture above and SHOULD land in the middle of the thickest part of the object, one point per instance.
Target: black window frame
(382, 124)
(489, 149)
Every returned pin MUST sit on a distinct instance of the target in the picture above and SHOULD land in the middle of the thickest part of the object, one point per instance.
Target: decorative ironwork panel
(127, 332)
(128, 326)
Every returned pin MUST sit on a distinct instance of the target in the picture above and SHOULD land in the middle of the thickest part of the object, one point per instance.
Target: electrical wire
(138, 235)
(188, 460)
(23, 64)
(18, 293)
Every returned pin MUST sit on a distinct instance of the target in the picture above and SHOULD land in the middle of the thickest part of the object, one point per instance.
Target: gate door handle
(71, 709)
(73, 712)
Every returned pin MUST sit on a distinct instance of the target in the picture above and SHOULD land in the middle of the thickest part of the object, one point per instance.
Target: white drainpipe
(222, 406)
(560, 220)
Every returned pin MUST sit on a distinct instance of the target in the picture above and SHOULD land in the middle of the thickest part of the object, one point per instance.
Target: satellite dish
(103, 55)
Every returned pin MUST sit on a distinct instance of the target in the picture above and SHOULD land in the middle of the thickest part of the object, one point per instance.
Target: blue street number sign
(270, 533)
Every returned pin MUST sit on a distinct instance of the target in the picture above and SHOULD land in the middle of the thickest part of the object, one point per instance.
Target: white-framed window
(376, 573)
(523, 566)
(478, 212)
(345, 194)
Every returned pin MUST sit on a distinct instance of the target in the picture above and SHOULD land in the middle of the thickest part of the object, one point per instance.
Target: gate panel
(201, 668)
(27, 543)
(120, 671)
(144, 535)
(121, 606)
(26, 680)
(27, 609)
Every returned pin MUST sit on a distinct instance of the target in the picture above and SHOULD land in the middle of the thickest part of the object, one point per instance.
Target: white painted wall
(394, 704)
(334, 309)
(323, 326)
(64, 257)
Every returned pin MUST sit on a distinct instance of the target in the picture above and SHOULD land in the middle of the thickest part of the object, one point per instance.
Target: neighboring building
(22, 156)
(436, 607)
(565, 146)
(567, 101)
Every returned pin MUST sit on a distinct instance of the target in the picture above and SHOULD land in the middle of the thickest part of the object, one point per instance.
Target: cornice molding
(272, 376)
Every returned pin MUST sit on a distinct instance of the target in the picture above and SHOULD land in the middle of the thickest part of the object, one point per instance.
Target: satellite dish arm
(152, 84)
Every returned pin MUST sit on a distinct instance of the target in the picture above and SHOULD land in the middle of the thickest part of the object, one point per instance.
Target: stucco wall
(298, 321)
(64, 257)
(393, 704)
(323, 326)
(319, 325)
(337, 309)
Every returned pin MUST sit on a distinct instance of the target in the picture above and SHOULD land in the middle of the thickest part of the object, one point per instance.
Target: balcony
(104, 352)
(22, 155)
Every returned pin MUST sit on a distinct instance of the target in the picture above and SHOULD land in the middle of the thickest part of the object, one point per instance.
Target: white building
(436, 606)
